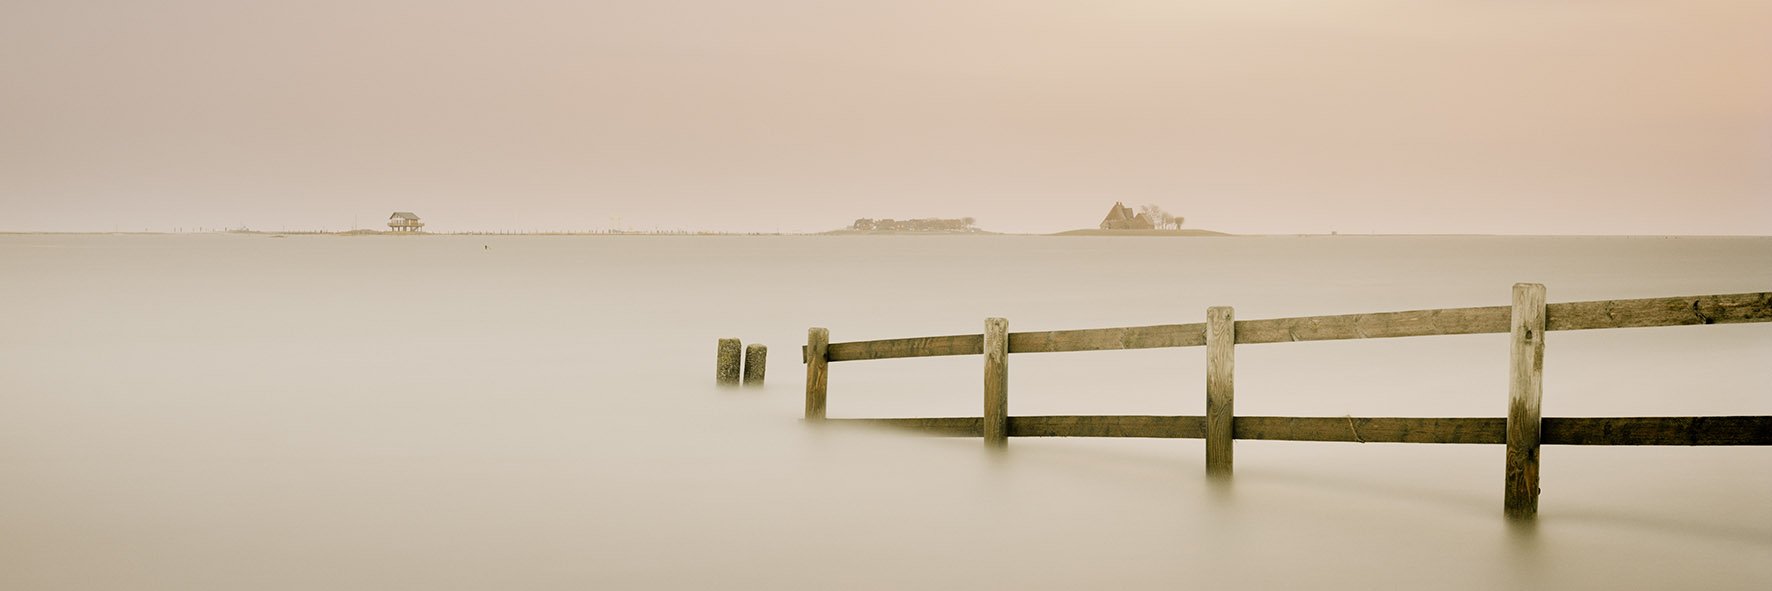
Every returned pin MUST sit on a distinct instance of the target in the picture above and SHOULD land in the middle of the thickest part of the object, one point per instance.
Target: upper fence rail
(1635, 313)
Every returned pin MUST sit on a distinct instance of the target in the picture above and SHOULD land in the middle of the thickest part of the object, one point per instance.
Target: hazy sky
(1578, 116)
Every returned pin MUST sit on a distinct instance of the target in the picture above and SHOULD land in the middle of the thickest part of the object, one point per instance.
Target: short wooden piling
(1221, 341)
(726, 362)
(1524, 392)
(756, 362)
(818, 340)
(996, 383)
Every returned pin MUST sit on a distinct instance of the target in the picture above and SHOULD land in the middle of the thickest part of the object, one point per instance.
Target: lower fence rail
(1680, 431)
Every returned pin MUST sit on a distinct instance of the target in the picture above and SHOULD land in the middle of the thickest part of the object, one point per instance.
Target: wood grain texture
(996, 382)
(965, 344)
(756, 364)
(727, 362)
(1221, 341)
(1677, 311)
(1160, 427)
(1524, 394)
(1108, 339)
(1374, 429)
(1731, 430)
(816, 372)
(1681, 431)
(1637, 313)
(1449, 321)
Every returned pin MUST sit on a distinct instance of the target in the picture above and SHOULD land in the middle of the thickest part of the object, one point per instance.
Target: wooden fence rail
(1740, 430)
(1523, 431)
(1682, 311)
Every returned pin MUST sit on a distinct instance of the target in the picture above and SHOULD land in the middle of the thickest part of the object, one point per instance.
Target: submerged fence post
(817, 341)
(1221, 341)
(726, 362)
(1524, 392)
(756, 362)
(996, 383)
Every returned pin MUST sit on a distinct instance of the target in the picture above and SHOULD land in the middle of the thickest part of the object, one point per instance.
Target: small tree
(1156, 215)
(1160, 218)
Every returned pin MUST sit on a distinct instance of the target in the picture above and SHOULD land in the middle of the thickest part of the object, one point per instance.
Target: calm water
(245, 412)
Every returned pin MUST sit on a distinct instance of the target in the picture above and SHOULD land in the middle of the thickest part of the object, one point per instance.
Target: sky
(1246, 116)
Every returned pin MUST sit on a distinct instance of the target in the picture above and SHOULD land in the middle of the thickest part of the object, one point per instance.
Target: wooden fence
(1522, 431)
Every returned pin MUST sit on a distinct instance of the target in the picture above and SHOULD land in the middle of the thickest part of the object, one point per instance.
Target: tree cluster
(916, 225)
(1160, 218)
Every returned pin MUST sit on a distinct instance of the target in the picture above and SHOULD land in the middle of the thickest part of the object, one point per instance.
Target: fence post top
(1529, 286)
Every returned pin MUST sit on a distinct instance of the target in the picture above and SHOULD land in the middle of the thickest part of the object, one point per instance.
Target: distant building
(404, 221)
(1122, 218)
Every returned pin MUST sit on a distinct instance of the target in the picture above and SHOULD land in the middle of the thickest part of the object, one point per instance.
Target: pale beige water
(243, 412)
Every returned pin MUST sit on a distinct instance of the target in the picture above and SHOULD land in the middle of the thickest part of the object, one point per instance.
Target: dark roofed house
(1122, 218)
(404, 221)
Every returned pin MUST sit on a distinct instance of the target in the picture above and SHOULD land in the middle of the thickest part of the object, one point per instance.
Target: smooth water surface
(464, 412)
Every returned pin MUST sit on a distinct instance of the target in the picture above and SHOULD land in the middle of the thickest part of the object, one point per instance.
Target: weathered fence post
(1524, 392)
(756, 362)
(817, 340)
(726, 362)
(996, 382)
(1221, 341)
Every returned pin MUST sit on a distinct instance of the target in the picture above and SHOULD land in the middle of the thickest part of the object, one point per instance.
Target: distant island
(1149, 220)
(964, 225)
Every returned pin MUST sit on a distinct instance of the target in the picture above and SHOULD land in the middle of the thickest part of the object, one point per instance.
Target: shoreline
(1186, 233)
